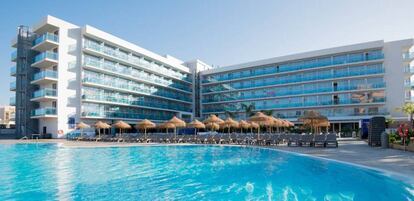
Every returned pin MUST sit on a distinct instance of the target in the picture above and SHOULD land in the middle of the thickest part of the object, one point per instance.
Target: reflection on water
(50, 172)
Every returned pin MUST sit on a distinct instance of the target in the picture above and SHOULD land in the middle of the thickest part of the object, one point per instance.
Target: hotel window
(340, 59)
(373, 110)
(356, 57)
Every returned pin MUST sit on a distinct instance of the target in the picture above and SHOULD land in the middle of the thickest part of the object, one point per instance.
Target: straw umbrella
(276, 123)
(196, 124)
(178, 124)
(313, 119)
(145, 124)
(244, 124)
(167, 126)
(262, 120)
(213, 119)
(212, 126)
(82, 126)
(101, 125)
(121, 125)
(254, 125)
(230, 123)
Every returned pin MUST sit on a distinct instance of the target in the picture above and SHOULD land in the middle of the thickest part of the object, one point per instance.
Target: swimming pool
(52, 172)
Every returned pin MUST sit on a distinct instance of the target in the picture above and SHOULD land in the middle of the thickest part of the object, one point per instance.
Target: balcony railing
(44, 92)
(125, 115)
(44, 111)
(136, 61)
(14, 56)
(13, 70)
(12, 101)
(45, 74)
(136, 74)
(233, 107)
(261, 83)
(46, 36)
(238, 96)
(136, 102)
(46, 55)
(13, 86)
(267, 71)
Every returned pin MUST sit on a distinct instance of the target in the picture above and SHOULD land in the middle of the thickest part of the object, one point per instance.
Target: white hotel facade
(66, 74)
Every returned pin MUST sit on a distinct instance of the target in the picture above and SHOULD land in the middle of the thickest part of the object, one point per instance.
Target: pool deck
(349, 151)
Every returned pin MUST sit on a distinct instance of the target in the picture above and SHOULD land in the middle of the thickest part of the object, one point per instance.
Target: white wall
(394, 75)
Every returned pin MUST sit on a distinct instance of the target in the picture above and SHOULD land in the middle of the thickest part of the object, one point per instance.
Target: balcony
(44, 77)
(13, 71)
(45, 42)
(408, 56)
(13, 86)
(12, 101)
(47, 112)
(14, 42)
(14, 56)
(45, 59)
(43, 95)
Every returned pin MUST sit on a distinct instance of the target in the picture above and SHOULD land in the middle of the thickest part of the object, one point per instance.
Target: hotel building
(66, 74)
(347, 84)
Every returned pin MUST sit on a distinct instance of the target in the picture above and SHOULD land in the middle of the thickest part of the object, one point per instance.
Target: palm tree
(267, 112)
(408, 109)
(248, 109)
(229, 114)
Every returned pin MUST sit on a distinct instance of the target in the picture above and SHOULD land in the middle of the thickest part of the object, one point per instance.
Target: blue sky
(216, 31)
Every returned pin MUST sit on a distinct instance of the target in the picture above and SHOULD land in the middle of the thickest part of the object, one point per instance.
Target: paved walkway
(350, 151)
(359, 152)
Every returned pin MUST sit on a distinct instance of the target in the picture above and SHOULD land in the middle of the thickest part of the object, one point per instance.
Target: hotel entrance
(344, 128)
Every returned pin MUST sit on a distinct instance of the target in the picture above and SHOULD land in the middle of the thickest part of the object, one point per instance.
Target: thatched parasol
(167, 126)
(213, 126)
(262, 120)
(101, 125)
(196, 124)
(178, 124)
(244, 124)
(313, 119)
(253, 125)
(213, 119)
(230, 123)
(82, 126)
(121, 125)
(145, 124)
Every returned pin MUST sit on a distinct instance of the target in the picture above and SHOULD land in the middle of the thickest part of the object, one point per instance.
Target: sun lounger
(319, 140)
(306, 140)
(293, 140)
(331, 140)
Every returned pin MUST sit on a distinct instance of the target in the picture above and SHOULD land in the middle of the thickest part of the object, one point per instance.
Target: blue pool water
(50, 172)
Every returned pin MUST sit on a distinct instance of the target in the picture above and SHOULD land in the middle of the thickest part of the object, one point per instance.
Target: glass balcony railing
(44, 111)
(302, 66)
(408, 55)
(137, 61)
(140, 89)
(409, 69)
(125, 115)
(45, 74)
(12, 101)
(239, 96)
(233, 107)
(136, 74)
(46, 55)
(46, 36)
(277, 81)
(14, 56)
(13, 70)
(44, 92)
(13, 85)
(134, 102)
